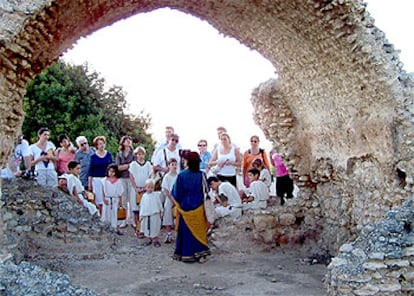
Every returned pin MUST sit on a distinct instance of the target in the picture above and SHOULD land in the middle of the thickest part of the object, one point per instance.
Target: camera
(29, 175)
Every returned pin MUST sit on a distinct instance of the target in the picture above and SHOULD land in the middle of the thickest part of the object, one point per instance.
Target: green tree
(71, 99)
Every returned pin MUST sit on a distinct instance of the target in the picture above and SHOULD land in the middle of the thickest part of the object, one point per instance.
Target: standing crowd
(167, 190)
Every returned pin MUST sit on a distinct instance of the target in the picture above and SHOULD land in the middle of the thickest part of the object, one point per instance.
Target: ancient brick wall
(350, 193)
(379, 262)
(341, 111)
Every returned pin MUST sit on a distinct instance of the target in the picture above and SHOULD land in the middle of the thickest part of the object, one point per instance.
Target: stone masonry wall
(380, 261)
(341, 112)
(349, 195)
(40, 222)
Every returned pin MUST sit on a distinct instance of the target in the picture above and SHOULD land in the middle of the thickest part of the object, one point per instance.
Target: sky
(184, 73)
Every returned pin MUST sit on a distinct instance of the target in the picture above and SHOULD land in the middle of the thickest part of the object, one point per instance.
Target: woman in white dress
(43, 159)
(227, 159)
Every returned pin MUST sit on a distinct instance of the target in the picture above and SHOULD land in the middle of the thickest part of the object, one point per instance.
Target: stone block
(367, 290)
(287, 219)
(374, 265)
(263, 222)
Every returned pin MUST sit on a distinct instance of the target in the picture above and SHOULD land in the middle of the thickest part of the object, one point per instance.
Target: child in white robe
(150, 214)
(265, 175)
(76, 188)
(166, 187)
(139, 171)
(112, 190)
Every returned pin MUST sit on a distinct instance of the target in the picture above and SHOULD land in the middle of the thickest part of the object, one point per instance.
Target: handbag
(138, 197)
(158, 181)
(209, 208)
(90, 196)
(121, 213)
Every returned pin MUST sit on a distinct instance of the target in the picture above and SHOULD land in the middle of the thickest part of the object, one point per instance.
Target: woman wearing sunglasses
(205, 155)
(250, 155)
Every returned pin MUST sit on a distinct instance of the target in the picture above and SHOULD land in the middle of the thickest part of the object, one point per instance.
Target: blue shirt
(84, 159)
(204, 160)
(98, 165)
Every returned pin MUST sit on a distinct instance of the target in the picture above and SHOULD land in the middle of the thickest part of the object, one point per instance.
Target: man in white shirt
(22, 154)
(169, 130)
(19, 163)
(160, 163)
(227, 197)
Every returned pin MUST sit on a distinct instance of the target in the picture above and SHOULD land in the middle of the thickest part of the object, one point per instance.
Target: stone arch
(339, 79)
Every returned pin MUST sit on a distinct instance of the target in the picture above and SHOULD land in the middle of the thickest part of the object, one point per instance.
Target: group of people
(222, 166)
(164, 192)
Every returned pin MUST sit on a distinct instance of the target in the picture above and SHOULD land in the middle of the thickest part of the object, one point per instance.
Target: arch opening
(179, 63)
(340, 96)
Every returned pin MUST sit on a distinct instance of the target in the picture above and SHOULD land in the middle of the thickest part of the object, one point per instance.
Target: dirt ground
(133, 269)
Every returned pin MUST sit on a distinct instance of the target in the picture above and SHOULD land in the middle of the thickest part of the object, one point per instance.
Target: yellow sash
(196, 222)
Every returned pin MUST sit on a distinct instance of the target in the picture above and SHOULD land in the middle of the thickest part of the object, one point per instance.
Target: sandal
(168, 239)
(148, 243)
(202, 260)
(157, 244)
(139, 234)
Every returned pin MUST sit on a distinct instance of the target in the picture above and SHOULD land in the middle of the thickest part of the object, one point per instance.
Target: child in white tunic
(256, 196)
(139, 171)
(166, 187)
(151, 213)
(265, 175)
(112, 190)
(76, 188)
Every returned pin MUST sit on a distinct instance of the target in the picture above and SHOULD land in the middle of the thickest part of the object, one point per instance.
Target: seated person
(265, 175)
(76, 188)
(227, 198)
(6, 173)
(63, 183)
(223, 200)
(256, 196)
(19, 163)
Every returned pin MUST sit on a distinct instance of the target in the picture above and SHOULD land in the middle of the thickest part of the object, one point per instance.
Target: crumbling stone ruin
(40, 222)
(340, 112)
(46, 226)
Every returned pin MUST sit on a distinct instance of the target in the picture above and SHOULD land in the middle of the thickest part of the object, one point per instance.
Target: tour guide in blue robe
(191, 243)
